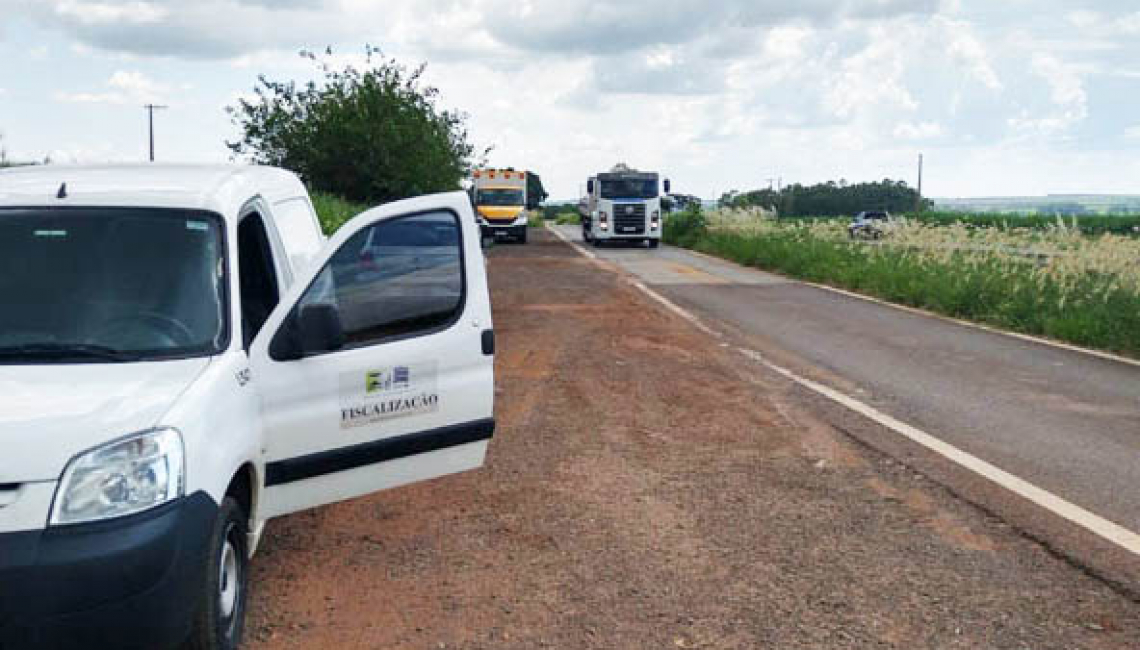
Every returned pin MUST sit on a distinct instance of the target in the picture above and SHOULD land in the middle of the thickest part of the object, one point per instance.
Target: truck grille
(629, 219)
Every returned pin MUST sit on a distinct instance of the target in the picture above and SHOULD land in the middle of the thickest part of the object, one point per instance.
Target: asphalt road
(1065, 421)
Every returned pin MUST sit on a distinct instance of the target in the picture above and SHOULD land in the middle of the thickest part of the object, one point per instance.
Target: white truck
(623, 205)
(183, 356)
(500, 202)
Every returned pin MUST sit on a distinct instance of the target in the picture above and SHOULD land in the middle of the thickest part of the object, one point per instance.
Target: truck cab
(499, 196)
(183, 356)
(623, 205)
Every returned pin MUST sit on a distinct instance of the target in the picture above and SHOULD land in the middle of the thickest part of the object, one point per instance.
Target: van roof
(206, 187)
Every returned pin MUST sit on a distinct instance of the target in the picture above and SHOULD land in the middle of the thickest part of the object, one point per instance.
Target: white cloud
(110, 13)
(124, 87)
(919, 131)
(1067, 92)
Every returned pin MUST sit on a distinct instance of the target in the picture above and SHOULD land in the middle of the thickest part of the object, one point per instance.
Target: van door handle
(489, 343)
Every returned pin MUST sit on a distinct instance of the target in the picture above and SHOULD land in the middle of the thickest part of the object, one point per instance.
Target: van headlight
(121, 478)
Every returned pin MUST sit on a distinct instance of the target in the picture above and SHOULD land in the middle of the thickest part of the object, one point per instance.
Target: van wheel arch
(243, 489)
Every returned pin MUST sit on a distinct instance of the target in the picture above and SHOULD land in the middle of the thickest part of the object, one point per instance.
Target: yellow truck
(499, 196)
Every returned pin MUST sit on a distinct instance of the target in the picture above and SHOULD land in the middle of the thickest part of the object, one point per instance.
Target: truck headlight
(120, 478)
(656, 223)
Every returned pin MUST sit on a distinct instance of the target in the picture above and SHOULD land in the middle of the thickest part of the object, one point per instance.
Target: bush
(686, 228)
(333, 211)
(568, 219)
(372, 135)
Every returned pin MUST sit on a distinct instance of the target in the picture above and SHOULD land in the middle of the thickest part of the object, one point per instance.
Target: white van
(184, 356)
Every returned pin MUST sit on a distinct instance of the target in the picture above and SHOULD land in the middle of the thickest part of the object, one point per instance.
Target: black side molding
(489, 342)
(372, 453)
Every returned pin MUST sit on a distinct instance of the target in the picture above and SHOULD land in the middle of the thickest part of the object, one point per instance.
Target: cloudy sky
(1004, 97)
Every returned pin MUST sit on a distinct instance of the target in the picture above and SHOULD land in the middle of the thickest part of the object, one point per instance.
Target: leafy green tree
(829, 199)
(372, 135)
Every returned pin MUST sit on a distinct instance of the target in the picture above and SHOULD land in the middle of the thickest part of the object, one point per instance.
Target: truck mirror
(590, 186)
(668, 187)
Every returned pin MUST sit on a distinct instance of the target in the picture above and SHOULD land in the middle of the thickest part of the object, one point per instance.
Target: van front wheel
(220, 620)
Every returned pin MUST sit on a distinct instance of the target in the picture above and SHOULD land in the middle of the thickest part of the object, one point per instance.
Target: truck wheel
(654, 243)
(522, 235)
(220, 620)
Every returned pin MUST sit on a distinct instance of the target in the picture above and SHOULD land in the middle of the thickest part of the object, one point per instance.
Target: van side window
(257, 276)
(399, 278)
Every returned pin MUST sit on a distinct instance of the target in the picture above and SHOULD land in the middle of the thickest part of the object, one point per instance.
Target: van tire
(213, 627)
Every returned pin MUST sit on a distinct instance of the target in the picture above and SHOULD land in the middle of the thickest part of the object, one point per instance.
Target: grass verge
(1093, 310)
(333, 211)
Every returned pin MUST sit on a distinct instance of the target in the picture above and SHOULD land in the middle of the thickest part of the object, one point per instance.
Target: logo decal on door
(377, 395)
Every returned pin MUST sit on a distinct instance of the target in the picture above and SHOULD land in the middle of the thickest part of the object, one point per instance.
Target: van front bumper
(127, 583)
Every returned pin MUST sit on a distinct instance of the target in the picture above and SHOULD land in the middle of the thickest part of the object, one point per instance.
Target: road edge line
(1029, 338)
(639, 285)
(1099, 526)
(1059, 506)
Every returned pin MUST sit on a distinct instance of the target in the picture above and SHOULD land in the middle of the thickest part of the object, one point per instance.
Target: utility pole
(918, 206)
(771, 184)
(150, 109)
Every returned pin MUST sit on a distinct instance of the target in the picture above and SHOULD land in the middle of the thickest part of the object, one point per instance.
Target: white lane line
(662, 300)
(1112, 532)
(1069, 347)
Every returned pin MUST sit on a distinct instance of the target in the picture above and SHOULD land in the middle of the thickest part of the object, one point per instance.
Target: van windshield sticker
(50, 233)
(200, 226)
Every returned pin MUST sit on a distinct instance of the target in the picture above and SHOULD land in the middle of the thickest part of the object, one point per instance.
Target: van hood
(50, 413)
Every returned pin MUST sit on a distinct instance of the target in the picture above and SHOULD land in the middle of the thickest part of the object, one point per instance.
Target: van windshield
(105, 285)
(499, 198)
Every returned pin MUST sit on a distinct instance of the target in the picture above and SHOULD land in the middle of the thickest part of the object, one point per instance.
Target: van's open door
(376, 369)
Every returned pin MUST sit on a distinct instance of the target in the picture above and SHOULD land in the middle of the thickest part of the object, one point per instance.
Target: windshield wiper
(65, 351)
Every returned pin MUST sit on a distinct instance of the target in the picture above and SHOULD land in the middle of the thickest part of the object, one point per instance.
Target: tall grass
(1123, 224)
(1072, 287)
(333, 211)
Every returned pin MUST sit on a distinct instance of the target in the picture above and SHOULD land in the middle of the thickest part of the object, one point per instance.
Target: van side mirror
(590, 186)
(668, 187)
(320, 328)
(313, 330)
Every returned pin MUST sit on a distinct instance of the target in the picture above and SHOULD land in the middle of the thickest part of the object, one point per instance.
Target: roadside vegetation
(372, 134)
(1051, 281)
(1118, 224)
(333, 211)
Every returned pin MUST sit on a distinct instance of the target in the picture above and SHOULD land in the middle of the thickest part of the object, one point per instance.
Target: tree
(535, 192)
(372, 135)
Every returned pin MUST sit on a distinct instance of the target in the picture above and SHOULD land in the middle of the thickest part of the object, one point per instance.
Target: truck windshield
(500, 198)
(629, 188)
(105, 285)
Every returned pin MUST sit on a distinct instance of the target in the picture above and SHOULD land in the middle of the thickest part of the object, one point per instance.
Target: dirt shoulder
(648, 489)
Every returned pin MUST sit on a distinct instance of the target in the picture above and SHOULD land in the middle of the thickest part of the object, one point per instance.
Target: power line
(150, 109)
